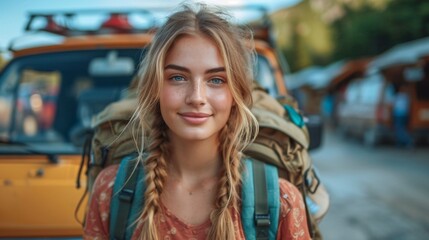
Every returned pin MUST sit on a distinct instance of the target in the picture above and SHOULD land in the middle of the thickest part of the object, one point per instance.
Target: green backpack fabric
(113, 138)
(282, 141)
(260, 205)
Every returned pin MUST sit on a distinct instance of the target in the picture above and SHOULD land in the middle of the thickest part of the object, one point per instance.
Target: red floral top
(292, 224)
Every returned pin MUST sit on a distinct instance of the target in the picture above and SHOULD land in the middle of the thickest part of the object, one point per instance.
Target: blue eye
(216, 81)
(177, 78)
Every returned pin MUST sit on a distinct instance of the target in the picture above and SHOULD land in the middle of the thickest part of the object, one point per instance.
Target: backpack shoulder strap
(127, 201)
(260, 208)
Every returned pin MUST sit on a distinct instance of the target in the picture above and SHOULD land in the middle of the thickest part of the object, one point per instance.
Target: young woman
(194, 98)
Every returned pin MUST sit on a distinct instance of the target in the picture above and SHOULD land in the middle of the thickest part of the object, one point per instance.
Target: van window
(8, 83)
(371, 89)
(353, 91)
(42, 96)
(36, 102)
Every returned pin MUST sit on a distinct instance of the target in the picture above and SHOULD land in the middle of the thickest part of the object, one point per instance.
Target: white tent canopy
(406, 53)
(315, 77)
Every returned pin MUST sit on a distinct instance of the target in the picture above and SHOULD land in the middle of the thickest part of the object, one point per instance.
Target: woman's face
(195, 98)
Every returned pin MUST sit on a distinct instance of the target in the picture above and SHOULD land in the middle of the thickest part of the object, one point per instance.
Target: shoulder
(97, 216)
(290, 197)
(103, 187)
(293, 218)
(106, 178)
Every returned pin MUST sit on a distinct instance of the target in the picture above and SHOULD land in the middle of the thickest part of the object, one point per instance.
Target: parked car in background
(49, 93)
(366, 107)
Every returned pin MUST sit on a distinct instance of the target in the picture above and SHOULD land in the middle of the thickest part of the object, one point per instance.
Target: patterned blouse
(292, 224)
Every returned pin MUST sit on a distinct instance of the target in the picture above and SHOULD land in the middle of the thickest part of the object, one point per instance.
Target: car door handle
(37, 173)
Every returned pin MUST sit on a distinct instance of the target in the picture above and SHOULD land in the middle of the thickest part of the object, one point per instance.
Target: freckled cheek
(170, 97)
(222, 100)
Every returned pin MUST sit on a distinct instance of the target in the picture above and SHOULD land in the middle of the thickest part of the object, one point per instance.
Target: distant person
(327, 105)
(401, 116)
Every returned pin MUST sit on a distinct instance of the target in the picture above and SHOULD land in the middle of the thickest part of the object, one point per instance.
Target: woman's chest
(171, 227)
(192, 209)
(192, 206)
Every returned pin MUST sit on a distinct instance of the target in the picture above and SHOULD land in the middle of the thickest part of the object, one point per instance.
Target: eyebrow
(184, 69)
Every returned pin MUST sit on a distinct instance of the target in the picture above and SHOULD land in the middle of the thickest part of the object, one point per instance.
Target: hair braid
(223, 225)
(221, 217)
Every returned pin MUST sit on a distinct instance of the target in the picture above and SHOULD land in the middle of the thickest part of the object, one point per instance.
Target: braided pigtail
(156, 173)
(221, 218)
(228, 198)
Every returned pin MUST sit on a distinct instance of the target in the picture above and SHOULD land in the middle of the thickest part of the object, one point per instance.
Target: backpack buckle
(310, 179)
(262, 220)
(126, 195)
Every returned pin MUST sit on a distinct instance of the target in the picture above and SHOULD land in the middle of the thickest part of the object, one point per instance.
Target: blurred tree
(367, 30)
(302, 35)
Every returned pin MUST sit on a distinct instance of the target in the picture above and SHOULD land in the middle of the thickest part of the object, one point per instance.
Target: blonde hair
(239, 131)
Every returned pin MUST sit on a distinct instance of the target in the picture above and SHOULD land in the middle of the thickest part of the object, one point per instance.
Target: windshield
(46, 98)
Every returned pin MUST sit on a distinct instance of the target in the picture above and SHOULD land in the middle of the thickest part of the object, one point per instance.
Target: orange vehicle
(48, 95)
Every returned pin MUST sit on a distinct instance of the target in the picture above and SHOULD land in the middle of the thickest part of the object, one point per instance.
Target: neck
(196, 159)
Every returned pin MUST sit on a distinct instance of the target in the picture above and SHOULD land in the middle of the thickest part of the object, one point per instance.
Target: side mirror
(314, 125)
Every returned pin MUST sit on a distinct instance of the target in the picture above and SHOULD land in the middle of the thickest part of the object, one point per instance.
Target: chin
(195, 135)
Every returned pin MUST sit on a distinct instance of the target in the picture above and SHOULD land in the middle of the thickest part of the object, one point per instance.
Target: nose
(197, 93)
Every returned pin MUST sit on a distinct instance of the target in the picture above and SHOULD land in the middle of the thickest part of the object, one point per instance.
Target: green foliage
(368, 31)
(303, 36)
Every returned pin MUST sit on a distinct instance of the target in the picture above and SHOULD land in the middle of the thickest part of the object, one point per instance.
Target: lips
(195, 117)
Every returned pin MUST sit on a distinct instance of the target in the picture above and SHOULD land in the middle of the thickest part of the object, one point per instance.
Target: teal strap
(127, 199)
(248, 201)
(251, 192)
(294, 116)
(262, 213)
(273, 196)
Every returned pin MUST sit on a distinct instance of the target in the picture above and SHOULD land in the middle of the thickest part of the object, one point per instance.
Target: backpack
(282, 142)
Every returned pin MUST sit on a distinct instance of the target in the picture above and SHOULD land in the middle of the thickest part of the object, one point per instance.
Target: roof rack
(105, 21)
(89, 22)
(64, 23)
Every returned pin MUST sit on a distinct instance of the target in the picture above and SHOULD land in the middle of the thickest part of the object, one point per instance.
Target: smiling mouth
(195, 118)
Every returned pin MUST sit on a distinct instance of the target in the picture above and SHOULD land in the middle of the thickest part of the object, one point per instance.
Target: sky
(14, 13)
